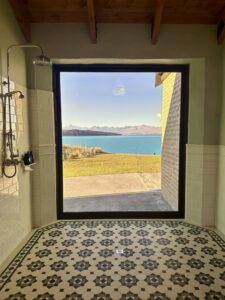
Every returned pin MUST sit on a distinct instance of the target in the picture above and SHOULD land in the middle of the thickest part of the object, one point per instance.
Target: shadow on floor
(141, 201)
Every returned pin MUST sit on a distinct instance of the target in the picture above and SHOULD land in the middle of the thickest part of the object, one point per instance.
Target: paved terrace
(117, 192)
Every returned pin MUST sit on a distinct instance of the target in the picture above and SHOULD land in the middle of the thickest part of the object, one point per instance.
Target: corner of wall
(15, 193)
(43, 147)
(220, 204)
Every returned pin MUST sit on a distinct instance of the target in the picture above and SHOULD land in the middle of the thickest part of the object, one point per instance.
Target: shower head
(42, 60)
(10, 94)
(21, 96)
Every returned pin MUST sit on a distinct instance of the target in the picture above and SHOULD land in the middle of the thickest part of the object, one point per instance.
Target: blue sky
(110, 99)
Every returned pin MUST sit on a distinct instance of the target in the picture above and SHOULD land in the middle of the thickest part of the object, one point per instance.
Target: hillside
(125, 130)
(80, 132)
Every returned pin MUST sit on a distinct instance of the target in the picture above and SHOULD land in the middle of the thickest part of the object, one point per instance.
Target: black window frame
(132, 67)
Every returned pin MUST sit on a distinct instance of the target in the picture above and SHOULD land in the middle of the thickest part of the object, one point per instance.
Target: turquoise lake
(132, 144)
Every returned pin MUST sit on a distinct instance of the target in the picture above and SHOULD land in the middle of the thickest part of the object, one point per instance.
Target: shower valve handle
(11, 162)
(17, 154)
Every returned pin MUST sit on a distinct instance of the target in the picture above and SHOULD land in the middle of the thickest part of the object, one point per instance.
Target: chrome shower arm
(24, 46)
(20, 46)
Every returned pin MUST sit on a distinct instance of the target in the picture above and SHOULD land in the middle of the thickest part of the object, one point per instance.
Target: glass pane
(120, 141)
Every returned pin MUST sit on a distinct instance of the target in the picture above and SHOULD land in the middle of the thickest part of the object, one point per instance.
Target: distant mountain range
(81, 132)
(106, 130)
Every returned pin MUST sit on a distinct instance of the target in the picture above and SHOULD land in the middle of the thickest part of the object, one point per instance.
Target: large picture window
(121, 133)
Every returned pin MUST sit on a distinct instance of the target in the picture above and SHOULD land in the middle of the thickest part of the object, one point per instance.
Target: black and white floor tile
(118, 259)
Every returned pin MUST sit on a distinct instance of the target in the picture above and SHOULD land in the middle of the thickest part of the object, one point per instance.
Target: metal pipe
(19, 46)
(8, 136)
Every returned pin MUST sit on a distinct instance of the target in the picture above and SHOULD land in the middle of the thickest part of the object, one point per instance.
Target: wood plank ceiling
(154, 12)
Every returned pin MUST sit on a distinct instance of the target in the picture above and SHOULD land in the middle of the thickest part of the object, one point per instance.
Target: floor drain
(119, 251)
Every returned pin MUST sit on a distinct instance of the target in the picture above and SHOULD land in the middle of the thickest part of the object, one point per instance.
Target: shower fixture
(9, 156)
(41, 60)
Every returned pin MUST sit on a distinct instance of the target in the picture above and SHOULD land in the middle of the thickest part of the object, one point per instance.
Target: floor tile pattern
(118, 259)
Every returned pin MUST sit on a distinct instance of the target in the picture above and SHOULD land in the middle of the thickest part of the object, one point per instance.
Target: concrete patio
(117, 192)
(111, 184)
(141, 201)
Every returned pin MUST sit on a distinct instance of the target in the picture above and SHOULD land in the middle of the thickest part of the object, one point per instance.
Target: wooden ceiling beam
(221, 29)
(157, 20)
(92, 21)
(22, 18)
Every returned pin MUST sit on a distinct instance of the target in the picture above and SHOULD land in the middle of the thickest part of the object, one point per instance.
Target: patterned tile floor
(118, 259)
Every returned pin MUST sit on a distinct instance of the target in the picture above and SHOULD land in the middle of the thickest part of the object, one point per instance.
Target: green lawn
(104, 164)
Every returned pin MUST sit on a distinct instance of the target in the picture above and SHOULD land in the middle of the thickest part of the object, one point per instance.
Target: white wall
(220, 209)
(71, 41)
(41, 111)
(187, 43)
(15, 197)
(194, 44)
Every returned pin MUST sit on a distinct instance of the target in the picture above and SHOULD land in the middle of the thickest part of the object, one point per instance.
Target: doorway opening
(121, 132)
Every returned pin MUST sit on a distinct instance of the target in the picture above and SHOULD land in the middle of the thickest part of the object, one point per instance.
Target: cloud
(119, 90)
(158, 115)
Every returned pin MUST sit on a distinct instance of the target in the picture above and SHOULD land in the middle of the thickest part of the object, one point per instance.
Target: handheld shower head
(21, 96)
(10, 94)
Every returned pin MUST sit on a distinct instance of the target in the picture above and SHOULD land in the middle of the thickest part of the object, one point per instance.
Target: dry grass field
(103, 164)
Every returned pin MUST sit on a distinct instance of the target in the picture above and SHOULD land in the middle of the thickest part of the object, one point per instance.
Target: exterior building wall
(170, 138)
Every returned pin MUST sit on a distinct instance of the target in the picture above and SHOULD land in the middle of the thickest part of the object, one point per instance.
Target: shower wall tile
(43, 78)
(47, 150)
(220, 209)
(48, 188)
(22, 114)
(15, 199)
(43, 147)
(35, 179)
(201, 183)
(33, 117)
(41, 117)
(6, 183)
(46, 117)
(15, 193)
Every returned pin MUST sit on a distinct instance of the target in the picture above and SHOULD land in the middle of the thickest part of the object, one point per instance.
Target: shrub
(75, 152)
